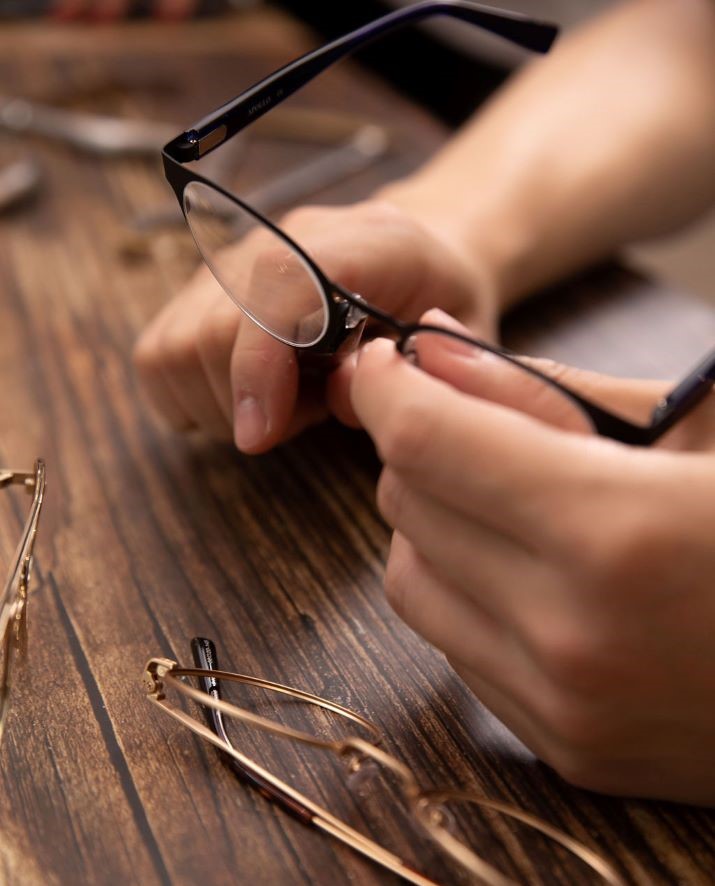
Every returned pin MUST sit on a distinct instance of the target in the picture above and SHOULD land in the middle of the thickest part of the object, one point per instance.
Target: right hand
(205, 365)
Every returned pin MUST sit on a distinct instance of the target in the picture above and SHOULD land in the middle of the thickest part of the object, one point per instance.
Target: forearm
(609, 139)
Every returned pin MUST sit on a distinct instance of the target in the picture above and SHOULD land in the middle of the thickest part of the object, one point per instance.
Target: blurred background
(446, 67)
(466, 57)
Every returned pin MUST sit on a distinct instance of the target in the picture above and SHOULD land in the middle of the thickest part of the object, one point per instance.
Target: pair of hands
(566, 577)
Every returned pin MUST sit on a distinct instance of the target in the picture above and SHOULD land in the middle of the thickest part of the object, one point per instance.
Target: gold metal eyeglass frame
(13, 603)
(425, 805)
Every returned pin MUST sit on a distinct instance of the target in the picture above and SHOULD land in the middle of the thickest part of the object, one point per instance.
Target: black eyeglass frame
(347, 311)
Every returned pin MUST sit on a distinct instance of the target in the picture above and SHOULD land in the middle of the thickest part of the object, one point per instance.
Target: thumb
(480, 373)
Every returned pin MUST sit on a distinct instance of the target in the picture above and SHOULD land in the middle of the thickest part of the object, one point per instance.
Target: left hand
(568, 578)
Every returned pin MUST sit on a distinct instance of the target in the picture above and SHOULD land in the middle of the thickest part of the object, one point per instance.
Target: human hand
(567, 578)
(206, 365)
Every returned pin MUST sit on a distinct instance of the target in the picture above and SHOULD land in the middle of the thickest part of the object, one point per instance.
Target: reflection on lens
(264, 276)
(491, 377)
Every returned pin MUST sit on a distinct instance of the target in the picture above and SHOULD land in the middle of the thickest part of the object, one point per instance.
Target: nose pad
(362, 771)
(440, 816)
(355, 323)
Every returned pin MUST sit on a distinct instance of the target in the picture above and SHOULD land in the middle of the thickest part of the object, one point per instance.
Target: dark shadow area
(447, 81)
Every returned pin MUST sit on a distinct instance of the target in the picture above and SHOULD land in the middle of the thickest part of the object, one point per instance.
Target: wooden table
(149, 539)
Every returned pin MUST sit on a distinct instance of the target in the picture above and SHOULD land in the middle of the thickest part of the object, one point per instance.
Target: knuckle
(573, 721)
(583, 770)
(570, 653)
(637, 546)
(559, 372)
(203, 281)
(397, 585)
(577, 706)
(391, 497)
(145, 354)
(215, 336)
(631, 547)
(180, 353)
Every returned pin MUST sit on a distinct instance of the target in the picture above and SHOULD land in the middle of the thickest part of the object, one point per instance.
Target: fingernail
(373, 345)
(361, 351)
(250, 425)
(365, 348)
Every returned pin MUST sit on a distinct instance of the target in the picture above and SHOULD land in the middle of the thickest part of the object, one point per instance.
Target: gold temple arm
(425, 804)
(27, 478)
(20, 565)
(13, 622)
(158, 670)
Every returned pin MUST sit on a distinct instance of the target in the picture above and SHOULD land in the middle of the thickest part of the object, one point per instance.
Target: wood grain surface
(148, 539)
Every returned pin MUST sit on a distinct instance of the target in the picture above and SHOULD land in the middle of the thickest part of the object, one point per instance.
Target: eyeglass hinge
(154, 672)
(212, 139)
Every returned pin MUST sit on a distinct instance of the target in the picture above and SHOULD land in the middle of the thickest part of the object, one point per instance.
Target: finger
(274, 285)
(483, 374)
(147, 358)
(490, 461)
(264, 384)
(310, 408)
(185, 376)
(337, 392)
(216, 334)
(464, 631)
(177, 359)
(515, 715)
(487, 566)
(443, 615)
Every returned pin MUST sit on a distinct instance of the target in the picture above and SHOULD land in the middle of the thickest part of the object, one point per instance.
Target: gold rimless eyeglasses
(433, 809)
(13, 603)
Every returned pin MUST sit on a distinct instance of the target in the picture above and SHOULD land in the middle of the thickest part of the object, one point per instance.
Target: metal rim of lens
(279, 235)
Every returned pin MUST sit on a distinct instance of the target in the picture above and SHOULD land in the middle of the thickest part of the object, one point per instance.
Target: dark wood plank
(148, 539)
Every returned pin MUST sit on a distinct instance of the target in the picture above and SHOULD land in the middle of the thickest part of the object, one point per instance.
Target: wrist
(455, 235)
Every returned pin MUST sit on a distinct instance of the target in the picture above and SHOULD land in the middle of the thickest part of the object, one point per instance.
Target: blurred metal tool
(19, 181)
(302, 123)
(330, 167)
(91, 133)
(365, 147)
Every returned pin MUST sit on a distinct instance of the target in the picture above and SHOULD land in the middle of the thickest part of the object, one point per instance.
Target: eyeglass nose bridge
(357, 750)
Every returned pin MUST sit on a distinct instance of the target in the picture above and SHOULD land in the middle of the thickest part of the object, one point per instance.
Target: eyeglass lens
(257, 268)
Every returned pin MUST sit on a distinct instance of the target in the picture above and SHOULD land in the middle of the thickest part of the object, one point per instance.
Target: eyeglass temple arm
(34, 483)
(684, 396)
(206, 658)
(232, 117)
(26, 478)
(672, 408)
